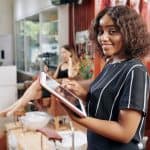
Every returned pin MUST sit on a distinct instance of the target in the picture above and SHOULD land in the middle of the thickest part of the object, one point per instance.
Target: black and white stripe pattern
(120, 86)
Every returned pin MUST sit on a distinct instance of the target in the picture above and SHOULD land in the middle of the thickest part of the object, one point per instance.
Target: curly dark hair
(132, 27)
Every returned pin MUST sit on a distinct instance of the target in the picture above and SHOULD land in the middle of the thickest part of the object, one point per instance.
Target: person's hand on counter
(34, 92)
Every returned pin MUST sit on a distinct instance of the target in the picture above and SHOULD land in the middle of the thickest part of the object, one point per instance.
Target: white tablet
(67, 97)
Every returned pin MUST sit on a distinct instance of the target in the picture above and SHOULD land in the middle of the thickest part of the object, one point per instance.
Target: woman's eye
(113, 31)
(100, 32)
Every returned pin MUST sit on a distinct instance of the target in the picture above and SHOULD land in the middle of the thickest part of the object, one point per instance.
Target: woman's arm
(57, 70)
(79, 88)
(73, 69)
(34, 92)
(122, 130)
(86, 83)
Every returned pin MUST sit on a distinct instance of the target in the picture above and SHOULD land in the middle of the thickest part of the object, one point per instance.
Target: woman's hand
(70, 113)
(70, 60)
(34, 92)
(75, 87)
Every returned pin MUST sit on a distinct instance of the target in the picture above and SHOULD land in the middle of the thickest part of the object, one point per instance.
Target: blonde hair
(74, 55)
(75, 59)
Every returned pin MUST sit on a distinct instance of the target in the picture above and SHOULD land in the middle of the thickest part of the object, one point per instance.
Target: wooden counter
(21, 139)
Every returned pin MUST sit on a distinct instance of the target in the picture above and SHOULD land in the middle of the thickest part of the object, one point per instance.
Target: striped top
(123, 85)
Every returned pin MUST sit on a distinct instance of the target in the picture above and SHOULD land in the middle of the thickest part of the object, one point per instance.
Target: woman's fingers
(14, 109)
(4, 112)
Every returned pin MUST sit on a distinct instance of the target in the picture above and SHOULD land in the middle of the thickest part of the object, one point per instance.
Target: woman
(68, 67)
(117, 100)
(69, 63)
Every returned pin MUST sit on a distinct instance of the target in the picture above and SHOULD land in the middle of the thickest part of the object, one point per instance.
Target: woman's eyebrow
(109, 25)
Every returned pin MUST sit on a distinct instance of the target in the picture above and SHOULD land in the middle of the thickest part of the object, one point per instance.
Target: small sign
(82, 37)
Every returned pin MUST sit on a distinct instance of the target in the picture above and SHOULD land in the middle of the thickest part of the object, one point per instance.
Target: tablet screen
(67, 97)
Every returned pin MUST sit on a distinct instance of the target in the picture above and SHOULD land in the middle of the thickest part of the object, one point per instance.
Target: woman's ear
(70, 55)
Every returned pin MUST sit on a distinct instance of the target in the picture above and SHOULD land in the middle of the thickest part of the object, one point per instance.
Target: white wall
(6, 45)
(8, 90)
(6, 17)
(25, 8)
(8, 86)
(6, 31)
(63, 26)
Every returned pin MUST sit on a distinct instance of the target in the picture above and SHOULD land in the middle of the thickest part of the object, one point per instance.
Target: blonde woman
(69, 63)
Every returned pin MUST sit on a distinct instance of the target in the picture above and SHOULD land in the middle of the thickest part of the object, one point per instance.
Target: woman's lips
(106, 46)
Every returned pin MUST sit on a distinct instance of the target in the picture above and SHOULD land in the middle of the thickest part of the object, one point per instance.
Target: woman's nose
(104, 36)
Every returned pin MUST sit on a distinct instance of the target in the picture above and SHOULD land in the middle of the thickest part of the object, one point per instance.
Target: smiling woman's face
(110, 38)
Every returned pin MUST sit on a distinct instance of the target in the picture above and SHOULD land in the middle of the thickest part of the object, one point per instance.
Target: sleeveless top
(62, 73)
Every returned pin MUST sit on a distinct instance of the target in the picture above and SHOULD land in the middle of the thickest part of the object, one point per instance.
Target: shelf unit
(37, 41)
